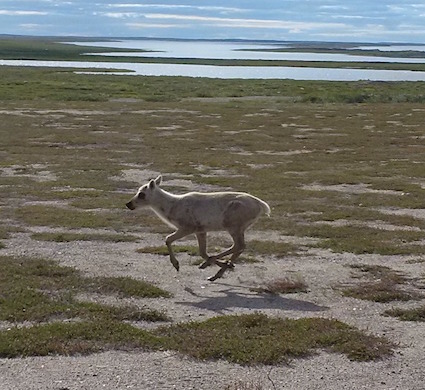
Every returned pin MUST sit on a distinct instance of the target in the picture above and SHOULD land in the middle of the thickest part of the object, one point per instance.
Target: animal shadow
(232, 299)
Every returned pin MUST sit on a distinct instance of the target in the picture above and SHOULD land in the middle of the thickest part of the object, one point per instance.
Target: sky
(287, 20)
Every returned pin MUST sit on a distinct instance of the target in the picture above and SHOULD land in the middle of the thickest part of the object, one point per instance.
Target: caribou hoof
(218, 275)
(225, 264)
(205, 264)
(208, 262)
(213, 278)
(176, 264)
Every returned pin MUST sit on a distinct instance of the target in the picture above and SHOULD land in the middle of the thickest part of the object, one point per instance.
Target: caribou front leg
(169, 240)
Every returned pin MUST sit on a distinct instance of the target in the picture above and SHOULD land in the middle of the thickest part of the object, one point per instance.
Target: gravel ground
(196, 299)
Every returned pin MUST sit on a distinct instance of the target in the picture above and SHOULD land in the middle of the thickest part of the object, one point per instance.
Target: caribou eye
(141, 195)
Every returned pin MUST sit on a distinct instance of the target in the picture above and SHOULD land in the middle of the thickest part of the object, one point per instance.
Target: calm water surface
(231, 50)
(393, 48)
(233, 72)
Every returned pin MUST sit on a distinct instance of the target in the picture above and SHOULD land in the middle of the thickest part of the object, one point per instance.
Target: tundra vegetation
(341, 165)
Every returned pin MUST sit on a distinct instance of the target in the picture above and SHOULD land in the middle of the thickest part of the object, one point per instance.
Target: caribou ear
(152, 184)
(158, 180)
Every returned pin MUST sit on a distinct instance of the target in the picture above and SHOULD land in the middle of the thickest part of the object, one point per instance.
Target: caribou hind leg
(215, 259)
(236, 250)
(209, 260)
(202, 242)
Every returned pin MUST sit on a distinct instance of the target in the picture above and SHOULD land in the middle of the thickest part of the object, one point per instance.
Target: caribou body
(198, 213)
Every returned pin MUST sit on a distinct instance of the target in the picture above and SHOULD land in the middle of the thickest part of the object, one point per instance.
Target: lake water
(233, 72)
(393, 48)
(231, 50)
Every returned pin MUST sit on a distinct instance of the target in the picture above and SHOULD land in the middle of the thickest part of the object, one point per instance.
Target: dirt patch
(53, 113)
(371, 224)
(137, 175)
(195, 299)
(286, 153)
(37, 172)
(416, 213)
(349, 188)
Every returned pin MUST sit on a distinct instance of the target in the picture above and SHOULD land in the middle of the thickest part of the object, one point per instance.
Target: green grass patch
(40, 215)
(69, 237)
(79, 338)
(100, 200)
(258, 339)
(4, 232)
(38, 290)
(415, 314)
(274, 148)
(41, 290)
(62, 84)
(247, 339)
(125, 287)
(362, 239)
(279, 249)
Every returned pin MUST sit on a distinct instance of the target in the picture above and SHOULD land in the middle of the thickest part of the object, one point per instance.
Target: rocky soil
(196, 299)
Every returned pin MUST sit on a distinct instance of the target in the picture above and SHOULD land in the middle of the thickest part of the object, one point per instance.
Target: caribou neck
(163, 202)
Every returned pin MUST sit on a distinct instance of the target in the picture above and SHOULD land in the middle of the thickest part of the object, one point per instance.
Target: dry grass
(243, 385)
(382, 285)
(284, 285)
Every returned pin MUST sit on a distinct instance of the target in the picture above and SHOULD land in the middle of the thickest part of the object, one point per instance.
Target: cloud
(247, 23)
(120, 15)
(377, 32)
(154, 25)
(22, 13)
(275, 19)
(177, 6)
(410, 29)
(31, 26)
(356, 17)
(396, 8)
(333, 7)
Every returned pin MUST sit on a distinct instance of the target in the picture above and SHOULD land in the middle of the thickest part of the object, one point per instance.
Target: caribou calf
(200, 213)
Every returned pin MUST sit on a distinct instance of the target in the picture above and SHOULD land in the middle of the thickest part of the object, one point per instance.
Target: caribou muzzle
(130, 205)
